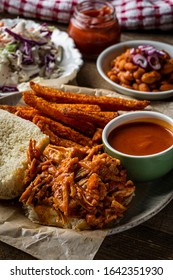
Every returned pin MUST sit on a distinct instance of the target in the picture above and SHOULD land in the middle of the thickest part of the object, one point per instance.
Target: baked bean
(138, 81)
(127, 53)
(138, 73)
(151, 77)
(114, 78)
(123, 79)
(165, 57)
(144, 87)
(110, 73)
(167, 68)
(128, 75)
(121, 64)
(124, 72)
(119, 58)
(129, 66)
(126, 86)
(166, 87)
(135, 86)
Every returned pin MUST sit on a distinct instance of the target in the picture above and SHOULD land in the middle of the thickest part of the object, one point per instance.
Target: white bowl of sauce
(143, 141)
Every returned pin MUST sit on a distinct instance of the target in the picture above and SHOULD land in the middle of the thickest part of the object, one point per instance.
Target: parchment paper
(45, 242)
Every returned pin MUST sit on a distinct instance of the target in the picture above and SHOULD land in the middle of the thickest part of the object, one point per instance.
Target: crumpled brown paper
(45, 242)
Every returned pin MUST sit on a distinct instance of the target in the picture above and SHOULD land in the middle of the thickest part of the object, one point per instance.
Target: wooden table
(150, 240)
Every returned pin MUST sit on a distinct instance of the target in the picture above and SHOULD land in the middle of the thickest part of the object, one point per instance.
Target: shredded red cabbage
(8, 89)
(20, 38)
(48, 32)
(49, 58)
(27, 57)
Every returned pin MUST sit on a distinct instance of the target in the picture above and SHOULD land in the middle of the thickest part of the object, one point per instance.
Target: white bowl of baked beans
(141, 69)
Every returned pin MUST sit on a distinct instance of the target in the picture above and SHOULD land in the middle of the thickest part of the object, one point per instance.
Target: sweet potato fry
(97, 137)
(85, 107)
(50, 110)
(100, 119)
(87, 128)
(40, 104)
(54, 139)
(104, 117)
(14, 108)
(104, 102)
(64, 131)
(27, 114)
(10, 109)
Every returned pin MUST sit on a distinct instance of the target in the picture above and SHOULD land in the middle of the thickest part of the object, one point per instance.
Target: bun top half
(15, 135)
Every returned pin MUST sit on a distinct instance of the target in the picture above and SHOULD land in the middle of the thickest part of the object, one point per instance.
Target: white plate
(72, 58)
(105, 58)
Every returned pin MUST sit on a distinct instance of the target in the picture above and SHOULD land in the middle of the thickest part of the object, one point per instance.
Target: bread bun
(45, 215)
(15, 134)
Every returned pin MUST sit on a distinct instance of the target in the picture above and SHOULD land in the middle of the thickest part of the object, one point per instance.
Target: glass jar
(94, 27)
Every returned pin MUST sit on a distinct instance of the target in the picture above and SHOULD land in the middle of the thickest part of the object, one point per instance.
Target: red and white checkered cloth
(145, 14)
(132, 14)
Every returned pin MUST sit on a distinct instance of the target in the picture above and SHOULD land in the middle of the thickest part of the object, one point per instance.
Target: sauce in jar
(141, 138)
(94, 27)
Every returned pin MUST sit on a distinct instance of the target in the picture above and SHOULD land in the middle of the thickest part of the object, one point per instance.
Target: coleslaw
(26, 53)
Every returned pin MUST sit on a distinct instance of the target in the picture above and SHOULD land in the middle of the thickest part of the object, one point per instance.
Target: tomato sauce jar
(94, 27)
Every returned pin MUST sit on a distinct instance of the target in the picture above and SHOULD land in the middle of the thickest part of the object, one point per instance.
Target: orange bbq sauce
(141, 138)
